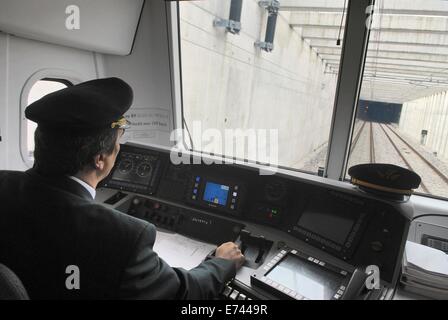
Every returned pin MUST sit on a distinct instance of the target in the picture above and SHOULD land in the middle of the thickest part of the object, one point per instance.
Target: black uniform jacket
(47, 225)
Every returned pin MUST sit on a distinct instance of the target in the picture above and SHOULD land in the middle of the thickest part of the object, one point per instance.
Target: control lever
(212, 253)
(240, 244)
(254, 248)
(356, 285)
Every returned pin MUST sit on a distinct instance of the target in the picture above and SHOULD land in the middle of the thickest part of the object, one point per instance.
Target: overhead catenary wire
(338, 41)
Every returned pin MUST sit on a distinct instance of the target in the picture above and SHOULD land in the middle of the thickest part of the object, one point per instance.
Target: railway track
(372, 145)
(434, 181)
(356, 139)
(365, 147)
(434, 168)
(371, 141)
(405, 160)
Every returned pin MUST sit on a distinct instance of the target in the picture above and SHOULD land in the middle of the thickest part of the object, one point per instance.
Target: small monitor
(216, 193)
(332, 221)
(334, 224)
(135, 170)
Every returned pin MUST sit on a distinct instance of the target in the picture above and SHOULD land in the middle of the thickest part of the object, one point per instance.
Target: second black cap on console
(386, 178)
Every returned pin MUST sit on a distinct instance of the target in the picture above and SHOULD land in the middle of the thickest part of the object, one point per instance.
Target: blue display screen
(216, 193)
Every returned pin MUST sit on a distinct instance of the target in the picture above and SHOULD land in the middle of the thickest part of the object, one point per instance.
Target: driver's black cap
(91, 105)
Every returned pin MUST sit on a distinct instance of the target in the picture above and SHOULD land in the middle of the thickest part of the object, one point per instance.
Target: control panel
(217, 203)
(210, 229)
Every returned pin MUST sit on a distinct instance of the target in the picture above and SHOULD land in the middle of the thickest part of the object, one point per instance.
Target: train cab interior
(246, 120)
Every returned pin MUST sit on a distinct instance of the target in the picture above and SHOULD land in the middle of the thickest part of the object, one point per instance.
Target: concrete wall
(228, 83)
(429, 113)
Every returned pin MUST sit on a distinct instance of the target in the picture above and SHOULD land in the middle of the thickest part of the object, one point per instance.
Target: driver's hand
(230, 251)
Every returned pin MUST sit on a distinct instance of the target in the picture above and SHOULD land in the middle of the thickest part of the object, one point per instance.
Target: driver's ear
(99, 162)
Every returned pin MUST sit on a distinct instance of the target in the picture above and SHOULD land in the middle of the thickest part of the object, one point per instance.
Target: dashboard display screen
(134, 168)
(306, 278)
(216, 193)
(332, 220)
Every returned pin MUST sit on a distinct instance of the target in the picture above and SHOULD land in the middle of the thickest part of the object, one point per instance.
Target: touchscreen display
(216, 193)
(309, 280)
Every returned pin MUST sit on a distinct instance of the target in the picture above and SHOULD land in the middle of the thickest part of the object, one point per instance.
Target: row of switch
(316, 261)
(339, 293)
(234, 294)
(283, 289)
(154, 212)
(317, 238)
(323, 264)
(275, 260)
(166, 221)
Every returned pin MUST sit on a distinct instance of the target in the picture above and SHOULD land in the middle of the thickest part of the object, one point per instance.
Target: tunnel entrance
(382, 112)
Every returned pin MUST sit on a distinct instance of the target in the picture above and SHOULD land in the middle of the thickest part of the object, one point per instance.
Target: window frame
(65, 77)
(349, 83)
(350, 76)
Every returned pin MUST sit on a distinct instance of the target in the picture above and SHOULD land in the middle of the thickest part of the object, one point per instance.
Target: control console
(316, 217)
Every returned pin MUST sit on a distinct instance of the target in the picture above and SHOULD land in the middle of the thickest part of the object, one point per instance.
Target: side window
(38, 90)
(402, 115)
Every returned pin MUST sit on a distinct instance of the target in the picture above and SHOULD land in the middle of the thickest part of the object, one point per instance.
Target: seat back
(11, 288)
